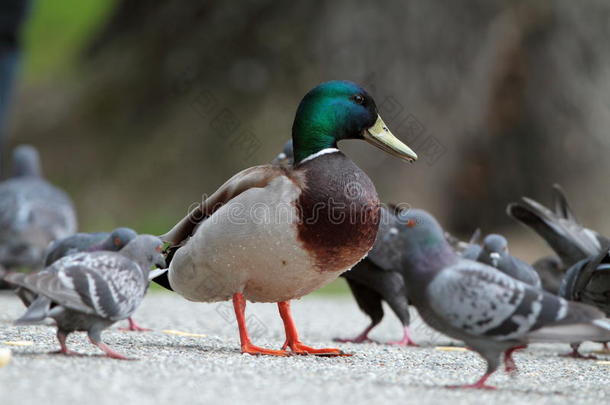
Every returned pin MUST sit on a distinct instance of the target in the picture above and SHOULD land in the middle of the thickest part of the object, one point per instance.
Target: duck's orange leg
(292, 335)
(239, 304)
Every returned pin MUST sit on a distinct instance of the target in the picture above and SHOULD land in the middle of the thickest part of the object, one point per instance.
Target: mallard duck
(274, 234)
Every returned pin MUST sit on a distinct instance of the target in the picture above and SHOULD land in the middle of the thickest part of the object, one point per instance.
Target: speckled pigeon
(490, 311)
(588, 281)
(90, 291)
(33, 213)
(561, 231)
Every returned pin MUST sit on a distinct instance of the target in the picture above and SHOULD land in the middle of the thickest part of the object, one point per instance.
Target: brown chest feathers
(338, 212)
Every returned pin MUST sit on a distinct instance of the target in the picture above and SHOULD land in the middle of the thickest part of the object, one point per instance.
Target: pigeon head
(121, 237)
(338, 110)
(146, 250)
(495, 246)
(285, 157)
(26, 162)
(422, 230)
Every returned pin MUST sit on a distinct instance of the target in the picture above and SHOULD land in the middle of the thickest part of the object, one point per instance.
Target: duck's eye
(358, 99)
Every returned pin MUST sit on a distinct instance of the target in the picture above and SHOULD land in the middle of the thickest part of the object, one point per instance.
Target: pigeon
(89, 242)
(33, 213)
(491, 312)
(378, 278)
(89, 291)
(286, 156)
(468, 250)
(588, 281)
(86, 242)
(570, 241)
(494, 252)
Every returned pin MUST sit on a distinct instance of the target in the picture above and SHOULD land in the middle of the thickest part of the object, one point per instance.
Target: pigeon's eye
(159, 248)
(411, 223)
(359, 99)
(117, 241)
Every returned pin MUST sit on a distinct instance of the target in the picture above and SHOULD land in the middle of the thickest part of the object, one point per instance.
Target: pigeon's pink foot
(575, 354)
(479, 385)
(62, 337)
(134, 327)
(509, 362)
(108, 351)
(406, 339)
(66, 352)
(361, 338)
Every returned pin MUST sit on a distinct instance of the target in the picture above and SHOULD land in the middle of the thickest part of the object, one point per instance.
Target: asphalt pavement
(192, 356)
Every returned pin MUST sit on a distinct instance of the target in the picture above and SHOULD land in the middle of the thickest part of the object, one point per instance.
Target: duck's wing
(254, 177)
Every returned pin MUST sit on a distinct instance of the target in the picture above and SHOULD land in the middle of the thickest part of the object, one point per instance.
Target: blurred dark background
(140, 107)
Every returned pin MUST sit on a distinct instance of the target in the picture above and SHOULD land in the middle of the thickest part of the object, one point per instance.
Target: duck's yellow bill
(380, 136)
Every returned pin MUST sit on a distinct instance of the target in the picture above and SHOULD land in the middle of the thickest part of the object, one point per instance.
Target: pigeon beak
(156, 273)
(380, 136)
(495, 258)
(281, 159)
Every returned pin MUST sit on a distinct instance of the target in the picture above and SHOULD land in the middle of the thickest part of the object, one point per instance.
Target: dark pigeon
(588, 281)
(286, 156)
(494, 252)
(90, 291)
(89, 242)
(570, 241)
(490, 311)
(378, 278)
(468, 250)
(33, 213)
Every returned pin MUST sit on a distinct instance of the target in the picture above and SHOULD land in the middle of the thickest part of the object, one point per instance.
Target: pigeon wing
(482, 301)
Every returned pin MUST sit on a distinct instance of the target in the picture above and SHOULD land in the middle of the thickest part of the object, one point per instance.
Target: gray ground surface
(210, 369)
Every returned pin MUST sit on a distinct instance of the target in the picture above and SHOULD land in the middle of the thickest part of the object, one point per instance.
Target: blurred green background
(500, 98)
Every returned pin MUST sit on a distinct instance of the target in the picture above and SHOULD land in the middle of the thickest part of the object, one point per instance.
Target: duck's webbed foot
(292, 336)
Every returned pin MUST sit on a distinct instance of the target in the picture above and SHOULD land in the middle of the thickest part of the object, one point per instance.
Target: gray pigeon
(494, 252)
(90, 291)
(286, 156)
(89, 242)
(490, 311)
(378, 278)
(86, 242)
(588, 281)
(33, 213)
(570, 240)
(468, 250)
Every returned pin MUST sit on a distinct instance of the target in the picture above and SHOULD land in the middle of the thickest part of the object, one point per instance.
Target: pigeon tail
(581, 322)
(36, 313)
(568, 239)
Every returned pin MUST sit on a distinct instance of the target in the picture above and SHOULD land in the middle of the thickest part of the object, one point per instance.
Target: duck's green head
(338, 110)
